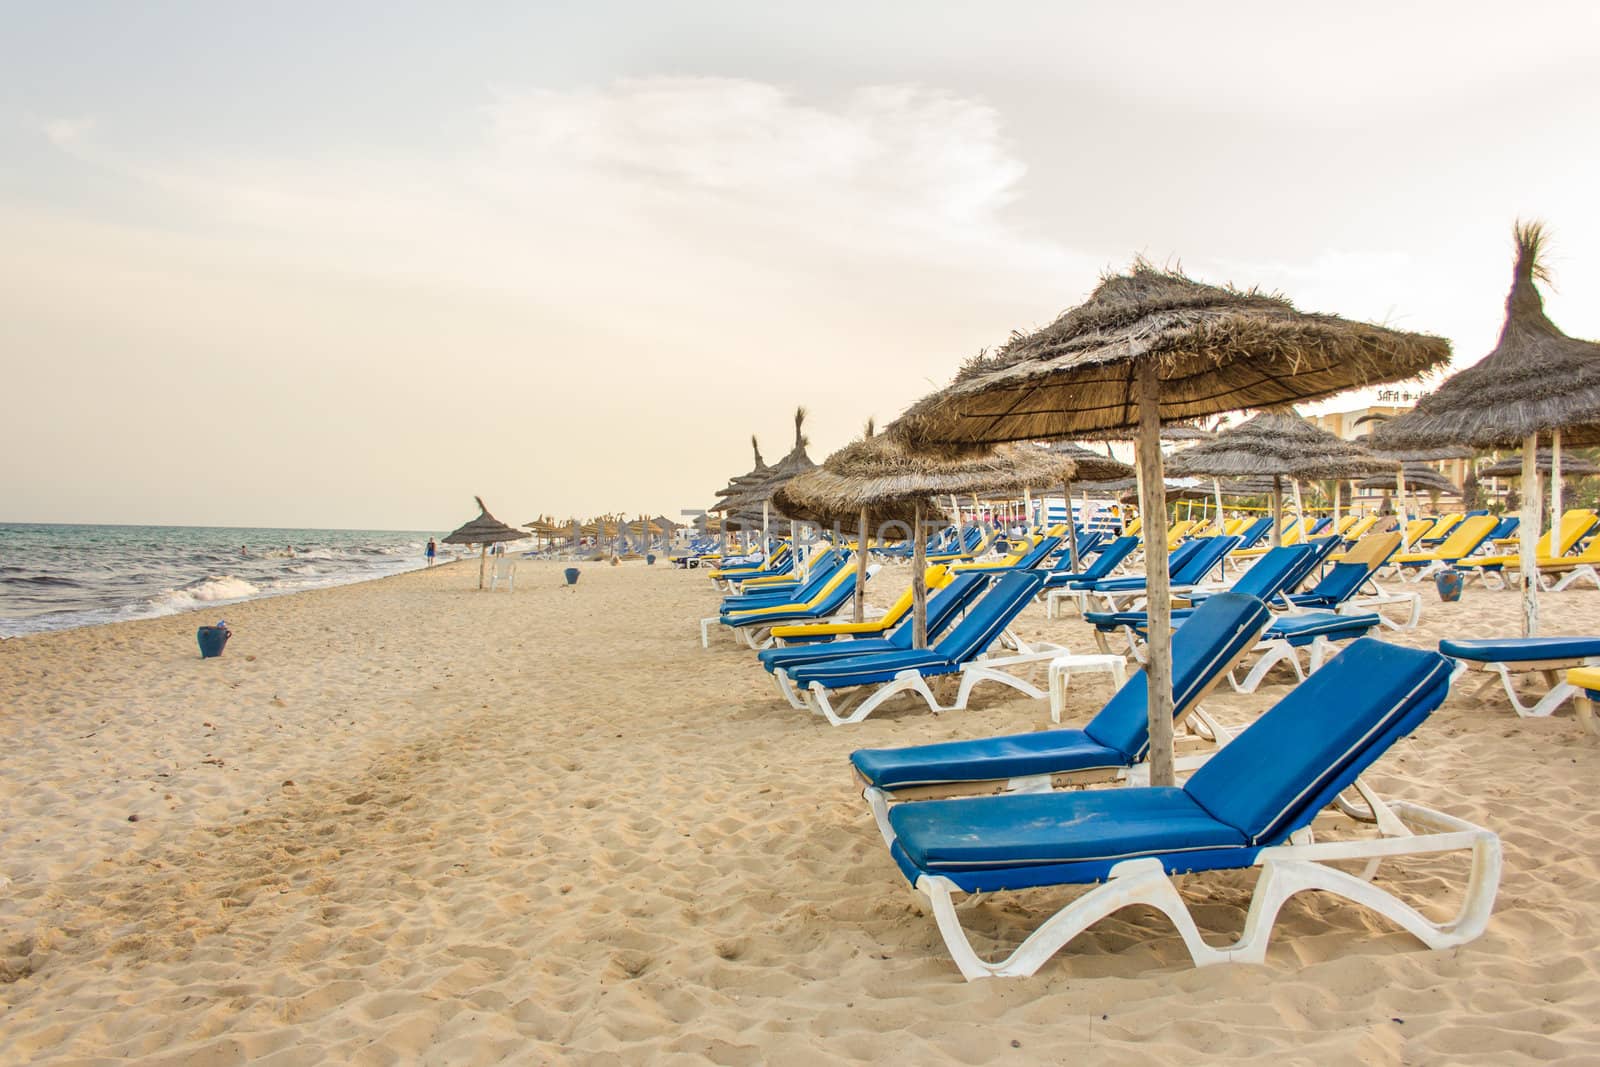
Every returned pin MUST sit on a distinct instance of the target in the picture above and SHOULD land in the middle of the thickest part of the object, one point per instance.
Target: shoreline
(402, 819)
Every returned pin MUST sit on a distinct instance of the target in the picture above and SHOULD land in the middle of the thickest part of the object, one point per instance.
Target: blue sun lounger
(1185, 570)
(1251, 805)
(822, 569)
(1550, 657)
(944, 607)
(1204, 650)
(1265, 579)
(1061, 582)
(881, 675)
(755, 625)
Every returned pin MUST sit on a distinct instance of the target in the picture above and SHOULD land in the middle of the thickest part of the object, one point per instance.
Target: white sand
(406, 821)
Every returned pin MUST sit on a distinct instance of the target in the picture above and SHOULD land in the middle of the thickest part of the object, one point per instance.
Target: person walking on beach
(431, 551)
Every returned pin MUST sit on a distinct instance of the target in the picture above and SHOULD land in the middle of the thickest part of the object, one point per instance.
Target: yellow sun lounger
(1464, 540)
(1553, 545)
(936, 577)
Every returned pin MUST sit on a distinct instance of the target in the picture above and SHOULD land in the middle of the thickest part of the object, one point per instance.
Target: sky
(346, 265)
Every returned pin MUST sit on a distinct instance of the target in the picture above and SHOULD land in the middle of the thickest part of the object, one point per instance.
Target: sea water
(53, 577)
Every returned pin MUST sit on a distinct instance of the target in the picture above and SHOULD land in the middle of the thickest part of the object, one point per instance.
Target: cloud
(64, 133)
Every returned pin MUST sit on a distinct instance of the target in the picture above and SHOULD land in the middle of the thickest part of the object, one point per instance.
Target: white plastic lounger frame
(1285, 871)
(1583, 570)
(1360, 605)
(1554, 671)
(982, 669)
(1278, 650)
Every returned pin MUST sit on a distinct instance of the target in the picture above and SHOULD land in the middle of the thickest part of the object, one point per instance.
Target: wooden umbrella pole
(1300, 513)
(1277, 510)
(1336, 507)
(919, 589)
(1027, 510)
(1216, 487)
(1527, 549)
(766, 537)
(1555, 486)
(1400, 502)
(861, 569)
(483, 561)
(1152, 502)
(1072, 527)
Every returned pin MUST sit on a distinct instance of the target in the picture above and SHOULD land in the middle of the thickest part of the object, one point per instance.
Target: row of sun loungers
(1008, 813)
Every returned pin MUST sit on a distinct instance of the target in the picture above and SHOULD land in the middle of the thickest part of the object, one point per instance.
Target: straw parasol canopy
(1214, 348)
(483, 530)
(883, 475)
(1154, 346)
(1278, 444)
(1092, 466)
(1537, 380)
(1184, 432)
(1417, 476)
(1511, 466)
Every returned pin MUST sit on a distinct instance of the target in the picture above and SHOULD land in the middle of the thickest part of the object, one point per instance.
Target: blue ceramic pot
(212, 640)
(1449, 584)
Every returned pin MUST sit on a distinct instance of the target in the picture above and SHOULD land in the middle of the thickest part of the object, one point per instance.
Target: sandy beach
(405, 821)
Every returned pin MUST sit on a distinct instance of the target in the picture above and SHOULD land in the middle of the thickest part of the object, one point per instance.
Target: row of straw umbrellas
(1151, 348)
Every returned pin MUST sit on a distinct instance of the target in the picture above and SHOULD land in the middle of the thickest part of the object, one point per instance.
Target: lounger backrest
(1002, 602)
(1507, 526)
(944, 606)
(1204, 644)
(1109, 558)
(1321, 549)
(1466, 537)
(1320, 525)
(1207, 556)
(1272, 571)
(1276, 775)
(1035, 555)
(1340, 583)
(1374, 549)
(1255, 531)
(1574, 524)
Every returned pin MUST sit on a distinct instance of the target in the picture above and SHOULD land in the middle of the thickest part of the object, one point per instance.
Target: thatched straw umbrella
(1092, 467)
(761, 490)
(740, 482)
(883, 474)
(1150, 347)
(1511, 466)
(1408, 459)
(1536, 381)
(483, 530)
(1278, 444)
(1418, 476)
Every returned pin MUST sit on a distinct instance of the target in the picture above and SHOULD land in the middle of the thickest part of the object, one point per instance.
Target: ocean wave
(205, 591)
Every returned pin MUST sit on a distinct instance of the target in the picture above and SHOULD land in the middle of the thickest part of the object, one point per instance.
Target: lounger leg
(1559, 694)
(976, 672)
(1584, 571)
(1131, 883)
(1291, 869)
(787, 691)
(905, 680)
(1271, 656)
(705, 632)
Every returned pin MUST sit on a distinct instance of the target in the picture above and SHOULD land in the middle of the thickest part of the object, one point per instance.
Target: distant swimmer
(244, 550)
(289, 549)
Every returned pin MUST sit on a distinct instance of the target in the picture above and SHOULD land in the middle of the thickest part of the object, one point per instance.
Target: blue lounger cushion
(943, 607)
(1104, 825)
(1001, 603)
(1268, 782)
(1301, 630)
(1512, 649)
(1116, 737)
